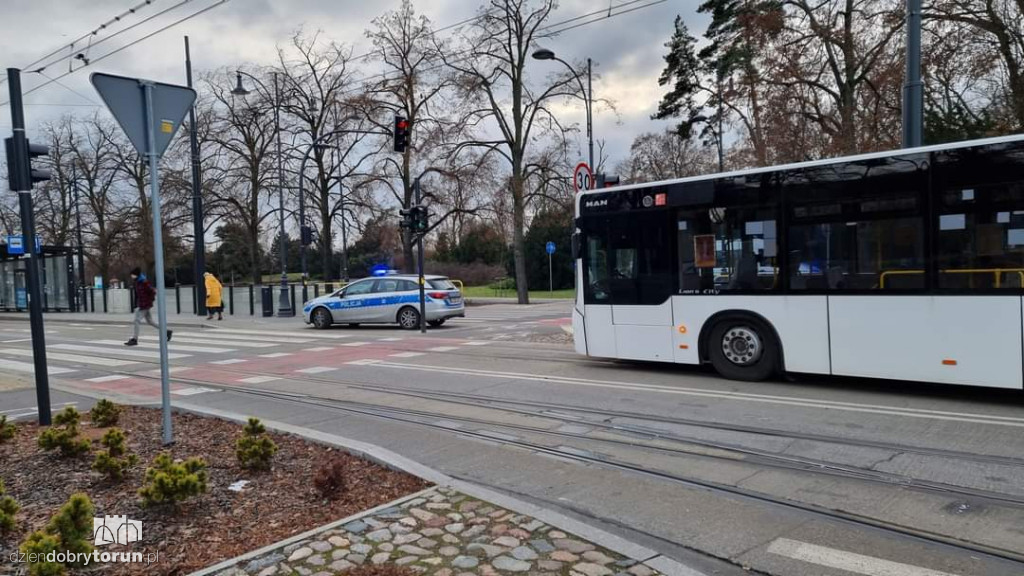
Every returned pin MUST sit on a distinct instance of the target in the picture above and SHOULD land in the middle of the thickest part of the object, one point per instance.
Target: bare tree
(492, 76)
(663, 156)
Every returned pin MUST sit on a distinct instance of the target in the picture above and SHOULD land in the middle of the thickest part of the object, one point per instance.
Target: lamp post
(588, 94)
(78, 230)
(284, 306)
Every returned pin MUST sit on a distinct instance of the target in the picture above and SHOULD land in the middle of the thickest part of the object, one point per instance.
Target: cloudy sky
(627, 49)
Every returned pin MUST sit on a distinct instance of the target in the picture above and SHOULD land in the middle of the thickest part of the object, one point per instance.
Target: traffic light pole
(419, 265)
(198, 226)
(28, 231)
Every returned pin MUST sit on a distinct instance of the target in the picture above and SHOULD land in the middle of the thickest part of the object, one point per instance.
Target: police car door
(354, 301)
(388, 299)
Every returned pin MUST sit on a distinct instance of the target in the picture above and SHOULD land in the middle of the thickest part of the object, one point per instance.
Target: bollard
(105, 299)
(231, 299)
(293, 299)
(316, 291)
(252, 300)
(177, 297)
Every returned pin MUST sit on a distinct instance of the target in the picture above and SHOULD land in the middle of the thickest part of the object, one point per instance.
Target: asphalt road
(816, 476)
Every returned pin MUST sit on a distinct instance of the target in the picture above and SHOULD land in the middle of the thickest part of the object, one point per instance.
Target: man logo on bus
(116, 530)
(597, 203)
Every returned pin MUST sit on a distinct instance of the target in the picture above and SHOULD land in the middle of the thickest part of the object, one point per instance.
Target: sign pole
(28, 232)
(551, 285)
(158, 254)
(419, 264)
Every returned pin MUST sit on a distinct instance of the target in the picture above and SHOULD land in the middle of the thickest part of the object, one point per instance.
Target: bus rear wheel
(743, 349)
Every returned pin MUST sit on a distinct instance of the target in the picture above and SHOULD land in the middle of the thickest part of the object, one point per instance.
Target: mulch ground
(210, 528)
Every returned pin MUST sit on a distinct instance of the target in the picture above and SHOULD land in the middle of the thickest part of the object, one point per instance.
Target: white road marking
(316, 370)
(272, 332)
(267, 337)
(442, 349)
(31, 368)
(125, 351)
(234, 343)
(170, 370)
(231, 361)
(319, 349)
(170, 346)
(407, 354)
(363, 362)
(36, 408)
(356, 344)
(192, 391)
(276, 355)
(741, 396)
(18, 340)
(390, 339)
(848, 561)
(111, 378)
(476, 343)
(96, 360)
(259, 379)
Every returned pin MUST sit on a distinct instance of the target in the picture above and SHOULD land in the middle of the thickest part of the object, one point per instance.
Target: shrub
(105, 413)
(329, 479)
(63, 434)
(73, 525)
(37, 546)
(255, 449)
(8, 508)
(6, 430)
(112, 462)
(168, 482)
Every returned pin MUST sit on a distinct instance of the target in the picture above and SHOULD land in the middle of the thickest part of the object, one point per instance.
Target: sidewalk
(180, 320)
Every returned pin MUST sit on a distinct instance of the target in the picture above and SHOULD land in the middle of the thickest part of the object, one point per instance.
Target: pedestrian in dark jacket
(144, 295)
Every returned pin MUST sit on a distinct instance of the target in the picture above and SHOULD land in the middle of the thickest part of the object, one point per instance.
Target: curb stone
(389, 459)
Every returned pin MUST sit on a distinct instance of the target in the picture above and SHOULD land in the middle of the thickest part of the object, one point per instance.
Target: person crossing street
(144, 296)
(213, 297)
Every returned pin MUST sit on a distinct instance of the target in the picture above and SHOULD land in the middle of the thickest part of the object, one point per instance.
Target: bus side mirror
(575, 246)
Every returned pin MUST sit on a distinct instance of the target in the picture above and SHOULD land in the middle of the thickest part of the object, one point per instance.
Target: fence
(238, 300)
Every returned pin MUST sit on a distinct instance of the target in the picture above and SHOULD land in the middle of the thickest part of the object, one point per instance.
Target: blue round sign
(550, 247)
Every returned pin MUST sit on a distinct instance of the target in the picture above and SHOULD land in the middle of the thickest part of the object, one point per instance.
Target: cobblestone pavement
(443, 533)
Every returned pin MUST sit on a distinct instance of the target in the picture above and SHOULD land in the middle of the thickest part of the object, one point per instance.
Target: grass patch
(488, 292)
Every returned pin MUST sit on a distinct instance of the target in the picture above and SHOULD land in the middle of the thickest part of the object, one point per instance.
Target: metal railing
(997, 275)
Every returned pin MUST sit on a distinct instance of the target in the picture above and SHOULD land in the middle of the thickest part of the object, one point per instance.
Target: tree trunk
(254, 255)
(409, 260)
(519, 239)
(326, 239)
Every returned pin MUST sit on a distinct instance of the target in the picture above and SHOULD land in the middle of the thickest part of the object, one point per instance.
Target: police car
(386, 300)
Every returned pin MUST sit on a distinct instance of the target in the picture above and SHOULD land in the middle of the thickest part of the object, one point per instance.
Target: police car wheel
(322, 318)
(409, 318)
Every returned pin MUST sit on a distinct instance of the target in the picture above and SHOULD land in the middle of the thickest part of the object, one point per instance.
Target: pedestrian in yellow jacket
(213, 299)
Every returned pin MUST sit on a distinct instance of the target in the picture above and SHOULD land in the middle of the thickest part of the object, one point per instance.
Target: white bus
(905, 265)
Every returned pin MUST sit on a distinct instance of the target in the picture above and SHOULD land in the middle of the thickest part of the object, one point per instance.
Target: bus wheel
(743, 349)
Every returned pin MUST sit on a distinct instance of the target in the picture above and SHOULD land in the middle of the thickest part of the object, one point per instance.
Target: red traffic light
(401, 134)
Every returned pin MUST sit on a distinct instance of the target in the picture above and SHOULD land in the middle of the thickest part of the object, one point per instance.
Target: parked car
(386, 300)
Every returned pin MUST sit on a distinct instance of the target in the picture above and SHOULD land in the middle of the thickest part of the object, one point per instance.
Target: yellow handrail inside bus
(997, 274)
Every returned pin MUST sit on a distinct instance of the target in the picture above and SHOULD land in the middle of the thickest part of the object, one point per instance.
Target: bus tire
(742, 348)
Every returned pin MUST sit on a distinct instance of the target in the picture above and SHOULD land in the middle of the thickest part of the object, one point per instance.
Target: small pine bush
(255, 449)
(105, 413)
(113, 462)
(6, 430)
(168, 482)
(8, 508)
(63, 435)
(329, 479)
(73, 525)
(37, 546)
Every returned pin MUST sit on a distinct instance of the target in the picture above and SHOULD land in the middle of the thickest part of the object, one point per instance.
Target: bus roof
(812, 163)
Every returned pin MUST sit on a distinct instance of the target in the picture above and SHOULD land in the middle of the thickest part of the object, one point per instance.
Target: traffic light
(421, 219)
(401, 134)
(20, 174)
(307, 235)
(407, 218)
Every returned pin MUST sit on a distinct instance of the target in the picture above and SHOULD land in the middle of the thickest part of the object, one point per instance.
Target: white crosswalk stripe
(213, 342)
(94, 360)
(123, 351)
(305, 334)
(271, 337)
(26, 367)
(171, 346)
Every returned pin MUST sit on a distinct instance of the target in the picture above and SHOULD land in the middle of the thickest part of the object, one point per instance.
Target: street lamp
(284, 305)
(588, 94)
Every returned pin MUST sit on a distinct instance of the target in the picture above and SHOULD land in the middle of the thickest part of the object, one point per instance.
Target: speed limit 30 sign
(582, 177)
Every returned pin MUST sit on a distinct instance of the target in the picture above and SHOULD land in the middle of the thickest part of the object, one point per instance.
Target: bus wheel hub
(742, 346)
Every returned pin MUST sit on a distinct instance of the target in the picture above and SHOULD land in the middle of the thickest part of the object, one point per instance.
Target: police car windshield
(441, 284)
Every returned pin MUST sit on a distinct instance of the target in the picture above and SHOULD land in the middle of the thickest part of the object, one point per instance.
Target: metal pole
(158, 255)
(198, 227)
(913, 89)
(590, 112)
(551, 282)
(341, 200)
(28, 234)
(419, 266)
(284, 305)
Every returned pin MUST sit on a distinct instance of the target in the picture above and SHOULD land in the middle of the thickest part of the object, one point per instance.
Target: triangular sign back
(125, 98)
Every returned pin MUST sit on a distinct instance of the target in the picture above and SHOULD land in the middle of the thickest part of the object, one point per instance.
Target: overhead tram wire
(94, 32)
(129, 45)
(33, 68)
(603, 14)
